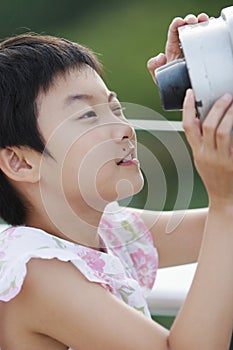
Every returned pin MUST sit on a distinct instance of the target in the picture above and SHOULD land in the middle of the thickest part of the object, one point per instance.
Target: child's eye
(88, 115)
(118, 110)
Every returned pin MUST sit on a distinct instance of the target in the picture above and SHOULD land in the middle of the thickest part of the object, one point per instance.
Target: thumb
(156, 62)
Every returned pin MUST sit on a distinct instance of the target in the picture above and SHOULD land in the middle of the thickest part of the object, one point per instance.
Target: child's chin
(126, 188)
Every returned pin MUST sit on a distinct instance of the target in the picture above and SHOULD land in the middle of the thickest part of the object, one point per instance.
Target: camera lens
(173, 81)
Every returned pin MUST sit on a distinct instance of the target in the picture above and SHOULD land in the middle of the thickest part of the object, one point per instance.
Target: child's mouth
(130, 159)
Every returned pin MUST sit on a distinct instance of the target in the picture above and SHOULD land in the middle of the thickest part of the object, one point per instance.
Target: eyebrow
(80, 97)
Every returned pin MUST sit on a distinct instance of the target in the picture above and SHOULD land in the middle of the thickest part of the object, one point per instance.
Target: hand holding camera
(206, 67)
(212, 149)
(173, 50)
(200, 56)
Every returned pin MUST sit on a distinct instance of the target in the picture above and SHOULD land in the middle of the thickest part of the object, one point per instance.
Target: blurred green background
(124, 34)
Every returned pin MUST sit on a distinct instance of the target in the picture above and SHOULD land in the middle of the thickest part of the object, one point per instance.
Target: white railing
(156, 125)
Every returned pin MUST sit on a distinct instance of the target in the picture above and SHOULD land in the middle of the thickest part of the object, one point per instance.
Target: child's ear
(20, 164)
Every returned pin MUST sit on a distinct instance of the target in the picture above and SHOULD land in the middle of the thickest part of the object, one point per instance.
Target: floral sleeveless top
(127, 268)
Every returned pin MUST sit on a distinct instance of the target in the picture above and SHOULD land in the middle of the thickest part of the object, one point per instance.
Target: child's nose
(122, 131)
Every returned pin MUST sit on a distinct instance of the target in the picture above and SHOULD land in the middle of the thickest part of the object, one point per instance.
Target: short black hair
(29, 63)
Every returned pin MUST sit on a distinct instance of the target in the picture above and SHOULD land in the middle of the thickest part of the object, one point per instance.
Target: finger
(224, 135)
(202, 17)
(156, 62)
(173, 50)
(213, 119)
(173, 36)
(191, 124)
(191, 19)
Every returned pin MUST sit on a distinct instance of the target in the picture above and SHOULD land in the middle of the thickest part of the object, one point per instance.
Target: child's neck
(81, 229)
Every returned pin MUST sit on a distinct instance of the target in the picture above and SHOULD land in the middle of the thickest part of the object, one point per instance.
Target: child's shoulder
(19, 245)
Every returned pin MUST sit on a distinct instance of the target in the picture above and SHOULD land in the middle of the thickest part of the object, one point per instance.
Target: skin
(38, 317)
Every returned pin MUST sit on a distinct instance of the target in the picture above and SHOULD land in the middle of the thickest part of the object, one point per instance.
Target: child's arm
(206, 318)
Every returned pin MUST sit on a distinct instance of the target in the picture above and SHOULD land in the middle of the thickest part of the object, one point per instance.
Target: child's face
(87, 135)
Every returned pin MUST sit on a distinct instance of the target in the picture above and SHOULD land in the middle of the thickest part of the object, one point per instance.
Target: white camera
(207, 66)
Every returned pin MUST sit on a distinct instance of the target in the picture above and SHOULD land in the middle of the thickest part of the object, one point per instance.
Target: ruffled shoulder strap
(19, 244)
(125, 233)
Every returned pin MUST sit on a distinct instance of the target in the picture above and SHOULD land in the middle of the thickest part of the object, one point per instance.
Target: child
(75, 267)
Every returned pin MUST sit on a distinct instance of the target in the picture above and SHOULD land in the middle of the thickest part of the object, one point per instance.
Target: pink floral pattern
(144, 264)
(95, 261)
(127, 268)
